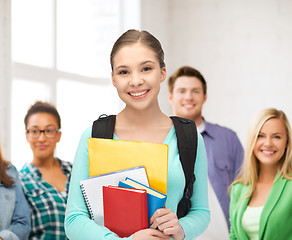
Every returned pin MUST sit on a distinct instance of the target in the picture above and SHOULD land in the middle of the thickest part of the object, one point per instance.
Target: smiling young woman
(271, 144)
(138, 69)
(260, 206)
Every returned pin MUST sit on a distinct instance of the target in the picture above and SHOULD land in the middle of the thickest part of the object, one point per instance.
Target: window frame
(49, 76)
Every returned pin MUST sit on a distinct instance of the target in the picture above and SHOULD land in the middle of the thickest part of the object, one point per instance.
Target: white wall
(5, 76)
(154, 18)
(242, 47)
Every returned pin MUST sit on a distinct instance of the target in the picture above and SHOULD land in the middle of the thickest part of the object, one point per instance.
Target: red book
(125, 210)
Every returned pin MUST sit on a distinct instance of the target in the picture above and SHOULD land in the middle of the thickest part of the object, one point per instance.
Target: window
(77, 115)
(60, 53)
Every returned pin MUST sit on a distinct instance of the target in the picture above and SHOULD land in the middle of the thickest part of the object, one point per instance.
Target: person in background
(260, 205)
(45, 180)
(138, 69)
(187, 90)
(14, 210)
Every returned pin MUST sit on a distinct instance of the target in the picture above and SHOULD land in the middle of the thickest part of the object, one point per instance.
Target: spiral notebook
(92, 189)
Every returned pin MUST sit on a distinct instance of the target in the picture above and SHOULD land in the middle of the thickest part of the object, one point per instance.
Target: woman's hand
(167, 222)
(149, 234)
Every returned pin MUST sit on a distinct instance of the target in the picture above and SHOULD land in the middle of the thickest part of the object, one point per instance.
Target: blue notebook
(155, 199)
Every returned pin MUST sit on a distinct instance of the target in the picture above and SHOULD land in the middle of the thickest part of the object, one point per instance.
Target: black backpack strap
(186, 132)
(104, 127)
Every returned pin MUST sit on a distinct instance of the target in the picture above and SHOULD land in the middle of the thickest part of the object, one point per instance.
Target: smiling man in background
(187, 94)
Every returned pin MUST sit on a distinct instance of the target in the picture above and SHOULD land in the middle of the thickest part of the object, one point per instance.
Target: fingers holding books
(150, 234)
(167, 222)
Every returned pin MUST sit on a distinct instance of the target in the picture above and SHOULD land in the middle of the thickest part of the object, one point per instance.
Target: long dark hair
(4, 178)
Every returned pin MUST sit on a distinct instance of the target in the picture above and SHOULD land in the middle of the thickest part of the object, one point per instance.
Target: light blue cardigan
(78, 225)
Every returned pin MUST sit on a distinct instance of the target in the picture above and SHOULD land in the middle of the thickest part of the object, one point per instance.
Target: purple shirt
(225, 156)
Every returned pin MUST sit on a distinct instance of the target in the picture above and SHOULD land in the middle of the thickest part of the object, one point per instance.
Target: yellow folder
(108, 155)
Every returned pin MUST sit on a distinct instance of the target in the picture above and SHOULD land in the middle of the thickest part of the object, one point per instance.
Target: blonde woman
(260, 206)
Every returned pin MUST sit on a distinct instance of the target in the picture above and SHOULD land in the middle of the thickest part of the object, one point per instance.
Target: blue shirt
(225, 157)
(78, 224)
(14, 210)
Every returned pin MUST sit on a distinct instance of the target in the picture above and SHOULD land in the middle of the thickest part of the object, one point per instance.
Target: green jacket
(276, 217)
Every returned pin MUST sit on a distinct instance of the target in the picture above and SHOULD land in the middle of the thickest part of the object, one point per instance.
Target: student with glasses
(45, 180)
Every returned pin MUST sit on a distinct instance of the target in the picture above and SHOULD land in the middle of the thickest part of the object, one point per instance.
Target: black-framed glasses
(49, 132)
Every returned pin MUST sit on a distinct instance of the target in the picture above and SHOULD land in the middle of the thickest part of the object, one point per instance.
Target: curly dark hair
(42, 107)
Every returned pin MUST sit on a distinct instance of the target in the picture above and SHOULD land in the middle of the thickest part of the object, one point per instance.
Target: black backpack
(186, 133)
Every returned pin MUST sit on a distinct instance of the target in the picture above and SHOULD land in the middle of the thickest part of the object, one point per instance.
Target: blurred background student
(45, 180)
(14, 210)
(261, 198)
(187, 93)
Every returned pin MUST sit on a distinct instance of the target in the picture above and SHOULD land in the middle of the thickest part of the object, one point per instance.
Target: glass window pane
(24, 94)
(32, 32)
(86, 31)
(79, 104)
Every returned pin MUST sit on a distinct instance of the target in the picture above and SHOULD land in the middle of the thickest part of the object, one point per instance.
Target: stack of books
(120, 203)
(125, 188)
